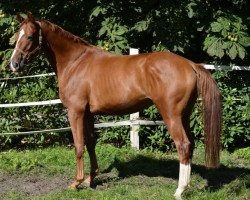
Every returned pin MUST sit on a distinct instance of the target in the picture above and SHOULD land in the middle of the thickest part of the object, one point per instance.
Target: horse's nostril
(16, 65)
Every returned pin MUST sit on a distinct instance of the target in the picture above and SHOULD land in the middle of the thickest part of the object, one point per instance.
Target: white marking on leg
(14, 52)
(184, 179)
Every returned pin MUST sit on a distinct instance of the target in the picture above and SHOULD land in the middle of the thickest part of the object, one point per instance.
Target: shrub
(162, 27)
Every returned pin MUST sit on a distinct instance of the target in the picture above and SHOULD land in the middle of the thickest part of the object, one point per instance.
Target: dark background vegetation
(213, 32)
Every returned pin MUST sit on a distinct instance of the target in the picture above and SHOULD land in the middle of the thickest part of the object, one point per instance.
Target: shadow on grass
(150, 167)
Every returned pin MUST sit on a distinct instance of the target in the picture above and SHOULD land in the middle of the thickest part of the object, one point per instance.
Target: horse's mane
(64, 34)
(67, 35)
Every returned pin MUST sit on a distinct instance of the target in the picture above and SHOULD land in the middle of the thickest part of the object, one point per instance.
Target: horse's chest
(72, 94)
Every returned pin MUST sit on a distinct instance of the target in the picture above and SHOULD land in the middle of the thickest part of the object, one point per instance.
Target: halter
(29, 54)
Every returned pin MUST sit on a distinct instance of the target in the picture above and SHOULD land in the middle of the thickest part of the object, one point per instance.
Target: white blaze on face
(14, 52)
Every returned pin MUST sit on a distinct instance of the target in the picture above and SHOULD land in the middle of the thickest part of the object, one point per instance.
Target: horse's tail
(212, 118)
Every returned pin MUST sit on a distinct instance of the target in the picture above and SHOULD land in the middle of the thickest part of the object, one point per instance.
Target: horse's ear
(30, 16)
(19, 18)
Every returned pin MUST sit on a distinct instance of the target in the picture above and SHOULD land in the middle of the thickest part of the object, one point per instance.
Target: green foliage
(236, 107)
(154, 137)
(7, 29)
(119, 136)
(211, 31)
(112, 34)
(243, 153)
(228, 36)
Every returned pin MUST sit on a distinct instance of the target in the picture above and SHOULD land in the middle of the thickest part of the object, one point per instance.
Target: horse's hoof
(87, 182)
(72, 187)
(177, 197)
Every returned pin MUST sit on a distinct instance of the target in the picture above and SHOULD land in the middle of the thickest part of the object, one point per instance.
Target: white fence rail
(226, 67)
(24, 77)
(98, 125)
(36, 103)
(134, 121)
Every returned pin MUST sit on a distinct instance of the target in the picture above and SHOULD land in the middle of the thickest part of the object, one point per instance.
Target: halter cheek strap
(28, 55)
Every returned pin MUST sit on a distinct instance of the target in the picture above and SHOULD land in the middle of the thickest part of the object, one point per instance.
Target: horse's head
(28, 42)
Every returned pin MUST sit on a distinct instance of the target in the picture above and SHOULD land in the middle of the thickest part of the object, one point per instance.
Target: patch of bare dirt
(31, 184)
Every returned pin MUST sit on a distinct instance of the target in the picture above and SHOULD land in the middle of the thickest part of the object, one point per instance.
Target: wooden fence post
(134, 129)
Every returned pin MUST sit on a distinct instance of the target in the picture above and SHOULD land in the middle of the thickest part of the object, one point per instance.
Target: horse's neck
(60, 51)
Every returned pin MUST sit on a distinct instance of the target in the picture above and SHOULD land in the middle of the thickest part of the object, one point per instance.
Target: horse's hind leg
(186, 123)
(184, 148)
(172, 116)
(90, 141)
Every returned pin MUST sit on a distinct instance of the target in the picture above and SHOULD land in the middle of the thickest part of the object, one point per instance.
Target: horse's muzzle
(17, 66)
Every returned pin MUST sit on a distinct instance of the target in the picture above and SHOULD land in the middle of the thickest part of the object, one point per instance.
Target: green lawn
(125, 174)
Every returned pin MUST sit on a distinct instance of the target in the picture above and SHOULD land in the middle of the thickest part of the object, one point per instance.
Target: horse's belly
(118, 108)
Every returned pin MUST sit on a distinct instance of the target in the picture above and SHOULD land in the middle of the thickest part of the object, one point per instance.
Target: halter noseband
(29, 54)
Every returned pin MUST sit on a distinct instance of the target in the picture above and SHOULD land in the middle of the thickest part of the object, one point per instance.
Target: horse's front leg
(77, 128)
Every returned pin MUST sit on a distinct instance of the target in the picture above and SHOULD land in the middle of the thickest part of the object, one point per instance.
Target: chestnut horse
(93, 81)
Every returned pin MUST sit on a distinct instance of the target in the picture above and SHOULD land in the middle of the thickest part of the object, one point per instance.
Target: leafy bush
(243, 153)
(31, 118)
(228, 36)
(119, 136)
(184, 27)
(236, 108)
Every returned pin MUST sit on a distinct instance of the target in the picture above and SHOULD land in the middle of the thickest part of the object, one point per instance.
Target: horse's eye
(30, 38)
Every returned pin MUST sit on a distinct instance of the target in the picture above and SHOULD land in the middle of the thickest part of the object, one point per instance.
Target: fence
(134, 121)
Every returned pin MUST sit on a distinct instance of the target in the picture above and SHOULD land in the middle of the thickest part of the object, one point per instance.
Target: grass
(125, 174)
